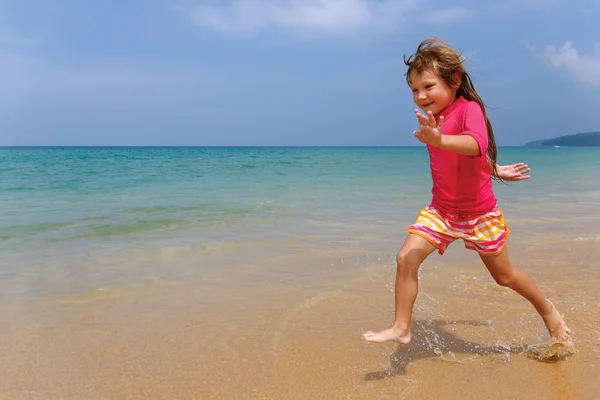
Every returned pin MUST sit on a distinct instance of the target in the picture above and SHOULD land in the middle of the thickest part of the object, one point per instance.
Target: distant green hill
(579, 139)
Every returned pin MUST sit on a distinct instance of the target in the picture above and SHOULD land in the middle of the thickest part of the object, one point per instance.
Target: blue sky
(283, 72)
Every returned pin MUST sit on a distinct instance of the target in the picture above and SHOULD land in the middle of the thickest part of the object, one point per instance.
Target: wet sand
(283, 319)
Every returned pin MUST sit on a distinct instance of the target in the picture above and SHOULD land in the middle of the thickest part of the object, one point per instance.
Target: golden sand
(286, 323)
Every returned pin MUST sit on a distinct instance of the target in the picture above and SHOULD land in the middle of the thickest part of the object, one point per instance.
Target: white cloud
(448, 15)
(583, 68)
(325, 17)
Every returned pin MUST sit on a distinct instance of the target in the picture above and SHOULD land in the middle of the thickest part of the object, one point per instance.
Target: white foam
(586, 239)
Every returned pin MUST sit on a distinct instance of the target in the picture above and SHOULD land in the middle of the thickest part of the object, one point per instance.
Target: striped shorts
(486, 234)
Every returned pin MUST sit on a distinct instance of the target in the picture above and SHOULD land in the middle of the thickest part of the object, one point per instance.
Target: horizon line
(221, 146)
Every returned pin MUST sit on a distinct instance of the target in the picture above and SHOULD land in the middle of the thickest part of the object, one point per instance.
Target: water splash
(551, 351)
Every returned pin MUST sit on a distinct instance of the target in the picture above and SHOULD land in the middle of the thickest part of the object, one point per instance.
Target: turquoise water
(85, 205)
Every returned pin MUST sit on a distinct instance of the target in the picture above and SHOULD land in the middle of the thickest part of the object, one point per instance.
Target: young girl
(462, 152)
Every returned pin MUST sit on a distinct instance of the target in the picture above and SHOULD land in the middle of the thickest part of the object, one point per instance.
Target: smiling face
(432, 93)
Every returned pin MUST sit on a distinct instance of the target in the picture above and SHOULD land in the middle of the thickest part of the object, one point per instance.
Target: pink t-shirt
(462, 184)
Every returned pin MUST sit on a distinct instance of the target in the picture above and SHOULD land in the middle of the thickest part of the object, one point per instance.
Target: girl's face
(431, 93)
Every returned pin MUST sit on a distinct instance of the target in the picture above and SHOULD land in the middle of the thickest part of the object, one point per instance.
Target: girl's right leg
(413, 252)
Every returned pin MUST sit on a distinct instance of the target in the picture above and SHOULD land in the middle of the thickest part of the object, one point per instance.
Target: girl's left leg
(505, 275)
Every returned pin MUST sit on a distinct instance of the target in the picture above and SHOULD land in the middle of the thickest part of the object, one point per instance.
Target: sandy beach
(256, 334)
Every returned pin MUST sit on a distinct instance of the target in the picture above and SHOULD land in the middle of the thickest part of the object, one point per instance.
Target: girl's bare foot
(558, 329)
(393, 334)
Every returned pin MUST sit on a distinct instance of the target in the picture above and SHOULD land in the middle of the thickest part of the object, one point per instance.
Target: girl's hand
(514, 172)
(429, 131)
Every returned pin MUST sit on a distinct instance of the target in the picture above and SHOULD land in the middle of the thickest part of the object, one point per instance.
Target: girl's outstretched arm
(430, 132)
(461, 144)
(512, 173)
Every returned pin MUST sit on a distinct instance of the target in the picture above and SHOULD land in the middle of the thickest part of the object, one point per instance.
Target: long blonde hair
(435, 55)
